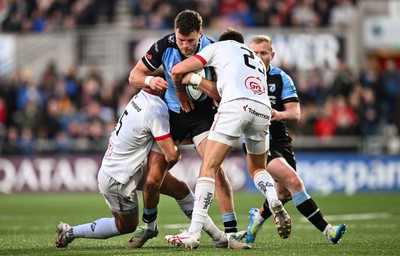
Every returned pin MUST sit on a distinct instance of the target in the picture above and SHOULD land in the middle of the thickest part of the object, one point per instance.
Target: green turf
(27, 226)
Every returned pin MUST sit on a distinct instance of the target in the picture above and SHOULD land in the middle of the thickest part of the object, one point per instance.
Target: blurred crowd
(38, 16)
(67, 112)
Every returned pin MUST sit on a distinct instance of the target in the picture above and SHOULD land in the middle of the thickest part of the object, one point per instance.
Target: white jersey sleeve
(240, 72)
(144, 118)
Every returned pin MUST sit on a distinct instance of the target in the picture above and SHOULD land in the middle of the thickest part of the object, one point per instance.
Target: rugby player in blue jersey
(281, 162)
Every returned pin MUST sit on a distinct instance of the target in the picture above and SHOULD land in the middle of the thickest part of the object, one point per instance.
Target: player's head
(262, 45)
(188, 30)
(231, 34)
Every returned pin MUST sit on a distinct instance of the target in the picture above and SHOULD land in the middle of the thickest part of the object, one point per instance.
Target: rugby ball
(191, 89)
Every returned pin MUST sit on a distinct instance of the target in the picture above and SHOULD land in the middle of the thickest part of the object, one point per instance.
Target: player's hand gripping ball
(194, 93)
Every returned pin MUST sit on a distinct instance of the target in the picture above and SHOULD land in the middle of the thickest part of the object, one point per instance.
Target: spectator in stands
(391, 90)
(342, 14)
(303, 14)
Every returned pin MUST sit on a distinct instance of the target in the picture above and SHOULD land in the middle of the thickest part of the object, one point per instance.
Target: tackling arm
(170, 151)
(291, 113)
(141, 77)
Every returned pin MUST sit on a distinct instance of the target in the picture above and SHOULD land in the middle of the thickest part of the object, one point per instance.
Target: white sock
(186, 204)
(266, 185)
(209, 227)
(101, 228)
(259, 219)
(151, 225)
(205, 188)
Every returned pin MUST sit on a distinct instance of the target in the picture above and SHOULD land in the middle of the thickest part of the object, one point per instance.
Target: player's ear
(201, 31)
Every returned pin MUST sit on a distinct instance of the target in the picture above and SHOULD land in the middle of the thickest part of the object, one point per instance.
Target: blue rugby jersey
(165, 52)
(281, 90)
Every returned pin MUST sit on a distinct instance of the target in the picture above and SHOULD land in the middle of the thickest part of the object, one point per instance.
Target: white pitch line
(358, 216)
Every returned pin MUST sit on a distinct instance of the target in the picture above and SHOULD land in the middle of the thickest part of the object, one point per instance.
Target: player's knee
(125, 226)
(152, 185)
(296, 183)
(284, 196)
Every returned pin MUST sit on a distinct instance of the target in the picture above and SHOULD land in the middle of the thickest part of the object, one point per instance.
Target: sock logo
(264, 185)
(188, 213)
(207, 200)
(93, 225)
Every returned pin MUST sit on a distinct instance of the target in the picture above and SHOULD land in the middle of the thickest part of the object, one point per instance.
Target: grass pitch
(27, 226)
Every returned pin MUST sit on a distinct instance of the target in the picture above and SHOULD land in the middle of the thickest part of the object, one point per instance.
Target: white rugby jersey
(144, 119)
(240, 72)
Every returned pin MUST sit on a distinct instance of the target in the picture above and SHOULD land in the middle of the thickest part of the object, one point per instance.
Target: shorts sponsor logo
(255, 84)
(254, 112)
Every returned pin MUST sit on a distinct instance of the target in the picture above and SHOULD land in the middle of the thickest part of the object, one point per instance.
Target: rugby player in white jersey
(245, 110)
(122, 172)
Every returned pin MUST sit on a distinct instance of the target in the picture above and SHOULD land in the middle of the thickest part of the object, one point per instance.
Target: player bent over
(144, 120)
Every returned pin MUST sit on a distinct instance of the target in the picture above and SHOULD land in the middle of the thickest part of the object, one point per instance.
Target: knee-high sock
(209, 227)
(306, 206)
(266, 185)
(101, 229)
(204, 195)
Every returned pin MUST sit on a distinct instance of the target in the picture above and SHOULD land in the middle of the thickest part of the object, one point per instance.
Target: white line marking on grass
(358, 216)
(176, 226)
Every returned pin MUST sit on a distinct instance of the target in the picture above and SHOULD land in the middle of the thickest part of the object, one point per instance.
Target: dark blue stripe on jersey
(281, 90)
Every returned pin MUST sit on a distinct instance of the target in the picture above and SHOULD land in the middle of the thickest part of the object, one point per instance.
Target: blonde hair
(258, 39)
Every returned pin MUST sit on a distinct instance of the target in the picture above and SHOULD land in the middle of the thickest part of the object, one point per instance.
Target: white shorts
(242, 116)
(121, 198)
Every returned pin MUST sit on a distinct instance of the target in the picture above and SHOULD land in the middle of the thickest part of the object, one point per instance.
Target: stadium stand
(67, 110)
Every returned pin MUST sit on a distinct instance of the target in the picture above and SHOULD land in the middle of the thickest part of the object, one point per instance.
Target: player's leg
(264, 182)
(286, 175)
(178, 189)
(123, 206)
(215, 154)
(223, 194)
(156, 169)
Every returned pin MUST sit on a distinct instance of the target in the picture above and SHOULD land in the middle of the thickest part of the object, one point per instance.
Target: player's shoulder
(166, 42)
(276, 70)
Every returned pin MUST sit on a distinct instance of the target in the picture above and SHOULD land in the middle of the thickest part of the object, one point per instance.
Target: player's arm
(177, 73)
(209, 87)
(170, 151)
(141, 77)
(291, 113)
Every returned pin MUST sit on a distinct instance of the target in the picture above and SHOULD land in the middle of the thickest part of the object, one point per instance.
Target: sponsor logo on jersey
(207, 200)
(272, 87)
(255, 84)
(254, 112)
(149, 56)
(156, 47)
(135, 106)
(272, 99)
(109, 149)
(171, 39)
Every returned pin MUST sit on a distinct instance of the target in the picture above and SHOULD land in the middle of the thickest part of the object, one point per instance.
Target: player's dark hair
(188, 21)
(231, 34)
